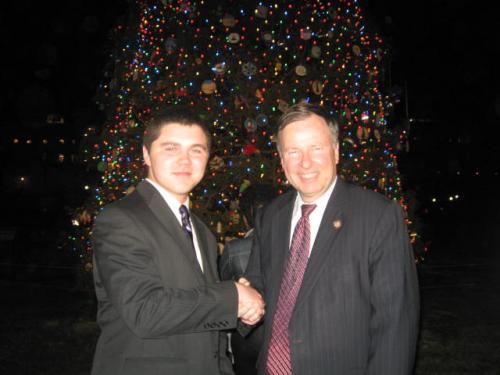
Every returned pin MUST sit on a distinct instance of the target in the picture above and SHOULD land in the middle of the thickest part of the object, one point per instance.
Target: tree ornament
(301, 70)
(305, 34)
(258, 94)
(377, 135)
(250, 124)
(244, 185)
(233, 38)
(356, 50)
(240, 101)
(219, 68)
(261, 120)
(359, 132)
(101, 166)
(234, 217)
(349, 140)
(250, 149)
(249, 69)
(317, 87)
(228, 20)
(216, 164)
(316, 52)
(267, 37)
(282, 105)
(261, 11)
(208, 87)
(381, 183)
(170, 45)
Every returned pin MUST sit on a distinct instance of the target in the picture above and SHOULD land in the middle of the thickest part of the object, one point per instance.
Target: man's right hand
(250, 303)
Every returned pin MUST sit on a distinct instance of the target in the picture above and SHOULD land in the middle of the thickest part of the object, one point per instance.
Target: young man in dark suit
(161, 305)
(334, 264)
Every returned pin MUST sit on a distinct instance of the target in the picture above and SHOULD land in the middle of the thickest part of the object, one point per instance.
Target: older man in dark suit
(161, 305)
(334, 264)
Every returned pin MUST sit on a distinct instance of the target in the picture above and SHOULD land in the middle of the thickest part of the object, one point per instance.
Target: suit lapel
(208, 257)
(166, 217)
(279, 249)
(329, 229)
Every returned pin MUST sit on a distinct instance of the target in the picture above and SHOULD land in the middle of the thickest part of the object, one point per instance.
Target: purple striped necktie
(278, 356)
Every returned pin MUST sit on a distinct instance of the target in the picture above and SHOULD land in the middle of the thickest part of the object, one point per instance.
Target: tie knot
(184, 212)
(307, 209)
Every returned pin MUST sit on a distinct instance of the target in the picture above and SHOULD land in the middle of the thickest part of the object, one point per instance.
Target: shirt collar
(171, 201)
(320, 203)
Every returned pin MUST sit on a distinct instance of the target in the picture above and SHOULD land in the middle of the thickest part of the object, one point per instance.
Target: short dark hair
(254, 198)
(168, 116)
(302, 111)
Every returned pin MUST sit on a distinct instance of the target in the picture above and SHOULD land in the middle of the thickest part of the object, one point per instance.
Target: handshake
(250, 303)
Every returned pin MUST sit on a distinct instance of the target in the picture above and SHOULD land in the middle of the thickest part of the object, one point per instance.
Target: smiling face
(177, 158)
(309, 156)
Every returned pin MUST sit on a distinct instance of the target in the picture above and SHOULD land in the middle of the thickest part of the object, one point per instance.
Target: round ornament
(101, 166)
(316, 52)
(208, 87)
(261, 11)
(250, 124)
(305, 34)
(219, 68)
(317, 87)
(228, 20)
(301, 70)
(249, 69)
(267, 37)
(233, 38)
(356, 50)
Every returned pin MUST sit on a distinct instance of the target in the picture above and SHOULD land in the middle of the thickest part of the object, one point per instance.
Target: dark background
(444, 58)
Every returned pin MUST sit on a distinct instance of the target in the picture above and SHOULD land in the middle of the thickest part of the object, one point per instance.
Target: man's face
(177, 159)
(309, 156)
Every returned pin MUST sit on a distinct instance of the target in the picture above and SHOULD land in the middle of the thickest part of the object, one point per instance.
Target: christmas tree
(240, 65)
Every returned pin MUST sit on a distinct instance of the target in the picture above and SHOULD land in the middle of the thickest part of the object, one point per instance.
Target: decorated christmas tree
(239, 65)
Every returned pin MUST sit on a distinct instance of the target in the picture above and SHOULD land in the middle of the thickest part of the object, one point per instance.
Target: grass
(50, 329)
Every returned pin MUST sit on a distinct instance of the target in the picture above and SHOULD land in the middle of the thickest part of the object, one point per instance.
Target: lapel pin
(337, 224)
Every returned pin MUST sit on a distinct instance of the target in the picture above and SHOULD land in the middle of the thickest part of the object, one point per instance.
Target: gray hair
(302, 111)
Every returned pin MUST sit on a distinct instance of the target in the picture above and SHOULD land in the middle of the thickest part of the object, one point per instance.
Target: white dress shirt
(174, 206)
(315, 217)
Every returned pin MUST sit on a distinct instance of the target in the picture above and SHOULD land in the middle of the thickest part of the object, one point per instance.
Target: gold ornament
(301, 70)
(317, 87)
(233, 38)
(208, 87)
(228, 20)
(316, 52)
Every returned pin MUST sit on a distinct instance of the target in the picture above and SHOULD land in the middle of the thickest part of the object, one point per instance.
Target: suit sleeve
(253, 271)
(129, 279)
(394, 297)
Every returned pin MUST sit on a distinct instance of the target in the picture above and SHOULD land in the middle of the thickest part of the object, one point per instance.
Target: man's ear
(145, 155)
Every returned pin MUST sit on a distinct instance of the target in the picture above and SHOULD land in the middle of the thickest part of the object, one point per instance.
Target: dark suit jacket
(158, 313)
(358, 306)
(232, 265)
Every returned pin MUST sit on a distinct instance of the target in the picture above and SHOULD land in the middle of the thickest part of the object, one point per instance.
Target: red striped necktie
(278, 357)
